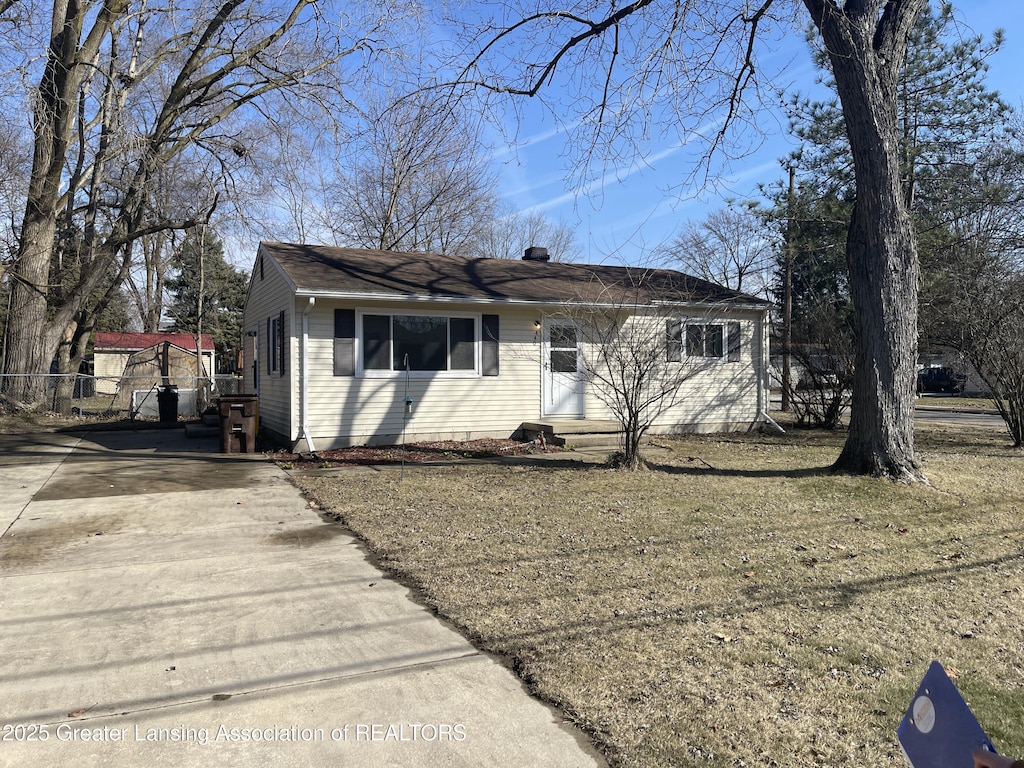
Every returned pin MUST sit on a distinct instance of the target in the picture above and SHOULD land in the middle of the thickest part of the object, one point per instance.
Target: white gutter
(304, 379)
(364, 296)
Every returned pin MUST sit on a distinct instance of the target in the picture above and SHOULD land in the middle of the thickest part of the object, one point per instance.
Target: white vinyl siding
(719, 395)
(492, 400)
(278, 396)
(452, 404)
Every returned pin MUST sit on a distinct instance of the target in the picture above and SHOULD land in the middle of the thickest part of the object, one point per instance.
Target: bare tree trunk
(200, 379)
(867, 46)
(32, 341)
(881, 438)
(211, 83)
(27, 350)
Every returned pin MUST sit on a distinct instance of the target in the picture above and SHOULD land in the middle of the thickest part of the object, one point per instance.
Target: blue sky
(630, 213)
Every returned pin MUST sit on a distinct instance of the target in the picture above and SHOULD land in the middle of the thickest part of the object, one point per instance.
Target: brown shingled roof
(136, 341)
(325, 270)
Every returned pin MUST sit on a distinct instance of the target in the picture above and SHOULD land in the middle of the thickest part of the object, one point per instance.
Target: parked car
(941, 379)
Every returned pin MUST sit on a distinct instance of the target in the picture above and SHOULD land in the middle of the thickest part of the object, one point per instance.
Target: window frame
(678, 348)
(274, 344)
(704, 337)
(381, 373)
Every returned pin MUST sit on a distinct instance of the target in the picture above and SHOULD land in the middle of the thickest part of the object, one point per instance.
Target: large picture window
(425, 343)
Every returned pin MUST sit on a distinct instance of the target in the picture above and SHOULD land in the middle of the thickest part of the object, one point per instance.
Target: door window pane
(563, 361)
(563, 336)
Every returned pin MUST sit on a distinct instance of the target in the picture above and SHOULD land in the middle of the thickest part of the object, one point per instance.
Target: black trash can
(239, 423)
(167, 401)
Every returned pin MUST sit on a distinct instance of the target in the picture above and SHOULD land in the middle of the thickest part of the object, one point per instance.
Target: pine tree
(947, 119)
(206, 287)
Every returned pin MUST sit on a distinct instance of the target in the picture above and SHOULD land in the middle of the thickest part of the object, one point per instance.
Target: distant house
(119, 355)
(349, 346)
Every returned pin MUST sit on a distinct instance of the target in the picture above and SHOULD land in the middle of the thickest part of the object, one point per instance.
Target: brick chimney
(534, 253)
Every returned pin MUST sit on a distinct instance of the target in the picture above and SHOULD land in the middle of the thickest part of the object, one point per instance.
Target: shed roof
(343, 272)
(132, 342)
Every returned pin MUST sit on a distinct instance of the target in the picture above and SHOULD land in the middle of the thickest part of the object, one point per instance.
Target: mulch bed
(413, 453)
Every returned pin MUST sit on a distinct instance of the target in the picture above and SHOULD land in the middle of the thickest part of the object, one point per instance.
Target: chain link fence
(102, 398)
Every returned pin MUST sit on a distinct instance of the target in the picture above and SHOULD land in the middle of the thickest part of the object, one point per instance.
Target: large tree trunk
(27, 349)
(32, 341)
(867, 47)
(883, 282)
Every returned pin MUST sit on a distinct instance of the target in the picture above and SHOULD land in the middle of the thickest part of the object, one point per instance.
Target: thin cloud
(619, 174)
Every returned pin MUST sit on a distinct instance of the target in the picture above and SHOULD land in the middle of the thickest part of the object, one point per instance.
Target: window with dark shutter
(705, 340)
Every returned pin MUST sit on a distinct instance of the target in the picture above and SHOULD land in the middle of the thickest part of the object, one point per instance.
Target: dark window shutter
(734, 342)
(283, 346)
(673, 341)
(344, 342)
(489, 341)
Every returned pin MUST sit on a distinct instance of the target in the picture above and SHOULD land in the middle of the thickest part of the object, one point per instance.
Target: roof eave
(750, 306)
(508, 301)
(435, 299)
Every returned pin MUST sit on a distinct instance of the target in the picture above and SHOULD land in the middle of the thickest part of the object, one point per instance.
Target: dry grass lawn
(735, 606)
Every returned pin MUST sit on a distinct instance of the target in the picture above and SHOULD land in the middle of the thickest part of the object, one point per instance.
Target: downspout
(304, 379)
(764, 387)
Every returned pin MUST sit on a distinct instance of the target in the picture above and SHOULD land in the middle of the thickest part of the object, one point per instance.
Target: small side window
(705, 340)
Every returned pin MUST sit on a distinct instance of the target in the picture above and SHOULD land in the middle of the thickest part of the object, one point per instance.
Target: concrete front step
(584, 440)
(573, 432)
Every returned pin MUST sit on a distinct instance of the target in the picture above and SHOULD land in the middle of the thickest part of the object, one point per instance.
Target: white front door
(563, 376)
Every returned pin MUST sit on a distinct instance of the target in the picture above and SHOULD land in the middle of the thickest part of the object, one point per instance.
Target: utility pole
(787, 295)
(200, 382)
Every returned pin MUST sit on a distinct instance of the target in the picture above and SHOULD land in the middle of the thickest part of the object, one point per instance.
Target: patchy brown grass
(33, 423)
(738, 605)
(440, 451)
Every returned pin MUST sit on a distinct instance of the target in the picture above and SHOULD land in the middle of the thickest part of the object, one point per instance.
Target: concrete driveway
(165, 605)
